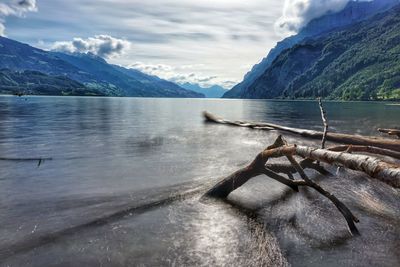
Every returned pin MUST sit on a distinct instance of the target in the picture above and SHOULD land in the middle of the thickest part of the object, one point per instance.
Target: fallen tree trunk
(334, 137)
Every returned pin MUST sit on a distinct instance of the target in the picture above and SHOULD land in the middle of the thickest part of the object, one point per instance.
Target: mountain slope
(359, 62)
(37, 83)
(19, 57)
(169, 88)
(355, 11)
(94, 72)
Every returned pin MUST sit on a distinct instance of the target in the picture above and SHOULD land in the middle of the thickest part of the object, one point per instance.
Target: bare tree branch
(347, 214)
(325, 121)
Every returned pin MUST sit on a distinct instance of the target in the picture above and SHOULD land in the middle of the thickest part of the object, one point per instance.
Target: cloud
(15, 8)
(103, 46)
(221, 35)
(297, 13)
(25, 5)
(182, 74)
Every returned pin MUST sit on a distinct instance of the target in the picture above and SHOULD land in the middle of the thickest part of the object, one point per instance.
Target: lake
(104, 198)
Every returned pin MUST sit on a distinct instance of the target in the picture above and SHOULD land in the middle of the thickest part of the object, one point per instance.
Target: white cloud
(182, 74)
(297, 13)
(15, 8)
(104, 46)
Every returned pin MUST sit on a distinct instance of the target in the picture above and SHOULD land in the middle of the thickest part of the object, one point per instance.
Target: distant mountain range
(85, 74)
(214, 91)
(331, 56)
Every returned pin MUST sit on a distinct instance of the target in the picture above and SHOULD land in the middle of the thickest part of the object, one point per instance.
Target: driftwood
(391, 144)
(258, 167)
(388, 173)
(376, 168)
(341, 155)
(395, 132)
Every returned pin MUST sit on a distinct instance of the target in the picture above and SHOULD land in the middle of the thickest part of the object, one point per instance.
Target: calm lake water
(97, 202)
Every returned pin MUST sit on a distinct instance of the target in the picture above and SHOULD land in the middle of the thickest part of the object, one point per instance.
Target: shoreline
(388, 102)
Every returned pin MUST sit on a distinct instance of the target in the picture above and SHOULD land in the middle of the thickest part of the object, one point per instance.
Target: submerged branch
(347, 214)
(39, 160)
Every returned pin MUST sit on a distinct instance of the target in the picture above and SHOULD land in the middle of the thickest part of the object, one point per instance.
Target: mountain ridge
(358, 62)
(214, 91)
(92, 71)
(353, 12)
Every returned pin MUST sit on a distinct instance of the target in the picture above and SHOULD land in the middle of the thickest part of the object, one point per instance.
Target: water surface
(115, 154)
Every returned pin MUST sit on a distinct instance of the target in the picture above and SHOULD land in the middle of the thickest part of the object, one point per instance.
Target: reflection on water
(184, 234)
(110, 154)
(233, 239)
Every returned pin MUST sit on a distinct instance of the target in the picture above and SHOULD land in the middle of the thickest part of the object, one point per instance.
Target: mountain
(357, 62)
(19, 57)
(37, 83)
(214, 91)
(168, 87)
(354, 12)
(92, 71)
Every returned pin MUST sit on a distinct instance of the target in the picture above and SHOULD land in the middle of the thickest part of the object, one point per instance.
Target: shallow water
(105, 197)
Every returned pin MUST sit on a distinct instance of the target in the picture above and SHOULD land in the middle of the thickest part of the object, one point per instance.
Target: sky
(199, 41)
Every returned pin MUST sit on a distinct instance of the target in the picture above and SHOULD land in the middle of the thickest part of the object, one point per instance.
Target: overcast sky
(208, 41)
